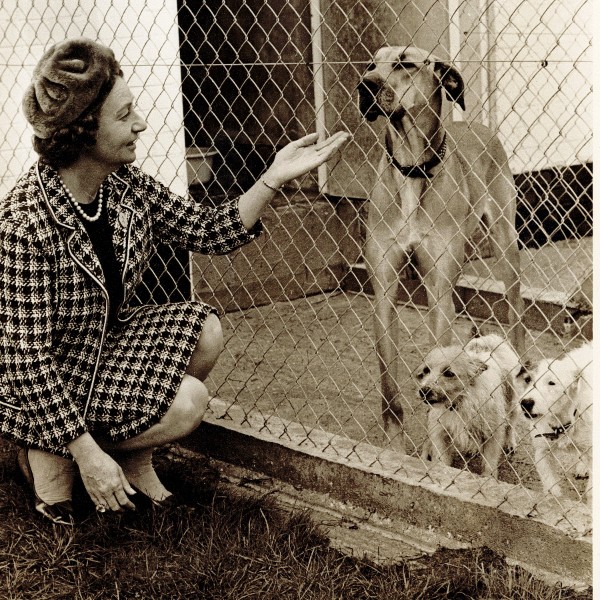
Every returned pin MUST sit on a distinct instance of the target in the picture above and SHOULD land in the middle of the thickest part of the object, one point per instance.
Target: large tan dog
(436, 182)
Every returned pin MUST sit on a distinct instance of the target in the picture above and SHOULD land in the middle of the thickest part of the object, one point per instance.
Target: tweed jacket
(53, 303)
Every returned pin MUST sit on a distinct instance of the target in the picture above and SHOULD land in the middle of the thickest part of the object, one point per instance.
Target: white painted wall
(544, 112)
(144, 38)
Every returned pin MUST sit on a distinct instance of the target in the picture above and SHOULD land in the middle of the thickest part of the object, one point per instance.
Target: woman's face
(119, 126)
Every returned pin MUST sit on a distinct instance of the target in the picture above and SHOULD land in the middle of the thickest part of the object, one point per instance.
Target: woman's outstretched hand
(294, 160)
(303, 155)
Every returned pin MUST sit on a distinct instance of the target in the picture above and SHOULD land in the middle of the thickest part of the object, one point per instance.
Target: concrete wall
(408, 496)
(297, 255)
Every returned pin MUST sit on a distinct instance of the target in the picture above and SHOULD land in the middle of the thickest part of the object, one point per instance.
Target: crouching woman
(87, 382)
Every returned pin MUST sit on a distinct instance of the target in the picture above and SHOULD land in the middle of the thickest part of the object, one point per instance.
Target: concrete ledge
(483, 297)
(455, 506)
(351, 529)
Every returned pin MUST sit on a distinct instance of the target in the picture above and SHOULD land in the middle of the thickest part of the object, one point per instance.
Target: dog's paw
(581, 471)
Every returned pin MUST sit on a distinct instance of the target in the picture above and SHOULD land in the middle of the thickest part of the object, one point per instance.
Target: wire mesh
(225, 84)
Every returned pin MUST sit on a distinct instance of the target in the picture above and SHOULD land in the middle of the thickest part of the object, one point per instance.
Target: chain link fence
(225, 84)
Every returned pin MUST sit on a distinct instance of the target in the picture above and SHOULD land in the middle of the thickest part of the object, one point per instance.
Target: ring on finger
(100, 508)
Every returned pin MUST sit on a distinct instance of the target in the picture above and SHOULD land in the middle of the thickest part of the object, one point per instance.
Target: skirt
(141, 368)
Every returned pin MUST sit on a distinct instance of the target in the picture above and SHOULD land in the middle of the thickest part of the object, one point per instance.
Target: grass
(223, 546)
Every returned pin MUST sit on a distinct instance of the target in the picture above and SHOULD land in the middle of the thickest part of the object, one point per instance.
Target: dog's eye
(527, 379)
(402, 64)
(551, 382)
(371, 67)
(448, 373)
(424, 372)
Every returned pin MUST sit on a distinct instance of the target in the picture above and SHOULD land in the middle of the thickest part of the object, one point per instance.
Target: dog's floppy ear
(476, 368)
(577, 384)
(525, 368)
(452, 81)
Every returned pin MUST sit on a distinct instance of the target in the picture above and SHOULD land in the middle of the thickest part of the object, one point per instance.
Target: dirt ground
(312, 361)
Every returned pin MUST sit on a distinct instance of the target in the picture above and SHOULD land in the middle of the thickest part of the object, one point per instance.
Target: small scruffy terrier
(472, 398)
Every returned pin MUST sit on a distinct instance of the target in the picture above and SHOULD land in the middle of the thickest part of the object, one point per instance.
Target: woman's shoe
(139, 471)
(143, 501)
(60, 513)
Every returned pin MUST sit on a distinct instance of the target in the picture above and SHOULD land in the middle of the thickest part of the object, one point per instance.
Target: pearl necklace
(77, 205)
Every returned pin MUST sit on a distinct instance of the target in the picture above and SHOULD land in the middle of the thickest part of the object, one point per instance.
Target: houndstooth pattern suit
(63, 371)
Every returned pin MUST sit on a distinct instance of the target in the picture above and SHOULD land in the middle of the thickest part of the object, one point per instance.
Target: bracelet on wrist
(269, 185)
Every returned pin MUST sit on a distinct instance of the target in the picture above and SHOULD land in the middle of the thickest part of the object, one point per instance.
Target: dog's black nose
(367, 98)
(426, 393)
(527, 406)
(369, 85)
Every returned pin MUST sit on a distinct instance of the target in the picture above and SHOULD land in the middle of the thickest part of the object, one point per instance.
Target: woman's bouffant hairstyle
(65, 145)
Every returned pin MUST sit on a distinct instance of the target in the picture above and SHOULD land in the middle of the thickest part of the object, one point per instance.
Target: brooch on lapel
(123, 218)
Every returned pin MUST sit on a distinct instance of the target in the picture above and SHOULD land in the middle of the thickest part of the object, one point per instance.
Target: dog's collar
(417, 171)
(559, 429)
(556, 431)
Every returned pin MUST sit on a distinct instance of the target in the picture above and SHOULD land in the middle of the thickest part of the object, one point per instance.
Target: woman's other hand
(102, 476)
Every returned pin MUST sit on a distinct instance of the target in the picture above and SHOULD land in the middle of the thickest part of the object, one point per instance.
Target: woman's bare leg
(184, 415)
(52, 475)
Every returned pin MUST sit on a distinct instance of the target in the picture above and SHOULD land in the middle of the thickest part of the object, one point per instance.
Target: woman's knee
(208, 348)
(211, 339)
(189, 406)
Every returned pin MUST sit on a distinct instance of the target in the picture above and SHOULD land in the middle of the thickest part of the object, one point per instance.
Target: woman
(86, 381)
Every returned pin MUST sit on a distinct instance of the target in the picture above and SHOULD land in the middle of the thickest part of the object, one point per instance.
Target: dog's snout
(371, 82)
(527, 405)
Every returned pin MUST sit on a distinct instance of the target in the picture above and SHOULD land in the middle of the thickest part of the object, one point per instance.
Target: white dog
(557, 398)
(473, 401)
